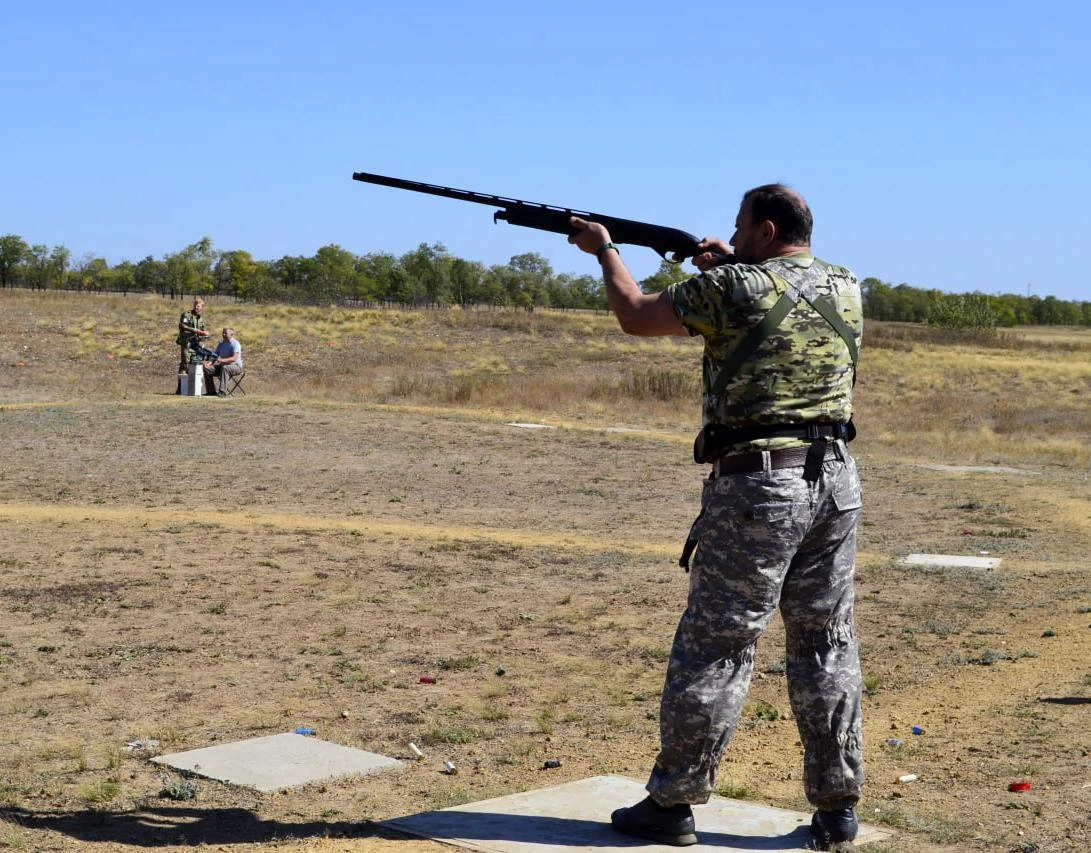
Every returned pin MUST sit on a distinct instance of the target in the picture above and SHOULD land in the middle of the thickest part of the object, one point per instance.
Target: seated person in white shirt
(228, 361)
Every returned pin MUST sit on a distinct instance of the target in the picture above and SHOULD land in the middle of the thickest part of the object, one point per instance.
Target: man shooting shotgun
(547, 217)
(780, 505)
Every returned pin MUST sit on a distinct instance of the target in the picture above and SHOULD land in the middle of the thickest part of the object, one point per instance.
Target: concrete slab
(577, 816)
(276, 762)
(951, 561)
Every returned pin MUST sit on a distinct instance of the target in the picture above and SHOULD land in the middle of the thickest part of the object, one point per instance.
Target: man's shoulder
(744, 284)
(727, 277)
(724, 298)
(794, 266)
(838, 269)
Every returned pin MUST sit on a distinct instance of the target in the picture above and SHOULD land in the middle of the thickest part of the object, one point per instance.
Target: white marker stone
(951, 561)
(276, 762)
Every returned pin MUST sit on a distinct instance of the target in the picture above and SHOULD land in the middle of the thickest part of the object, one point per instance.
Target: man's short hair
(785, 208)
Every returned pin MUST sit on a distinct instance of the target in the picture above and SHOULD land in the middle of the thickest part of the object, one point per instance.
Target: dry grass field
(202, 570)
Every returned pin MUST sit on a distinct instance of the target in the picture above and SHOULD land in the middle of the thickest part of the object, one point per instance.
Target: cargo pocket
(847, 495)
(766, 514)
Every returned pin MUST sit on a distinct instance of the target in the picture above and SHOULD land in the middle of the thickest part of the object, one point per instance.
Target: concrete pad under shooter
(577, 816)
(278, 761)
(952, 561)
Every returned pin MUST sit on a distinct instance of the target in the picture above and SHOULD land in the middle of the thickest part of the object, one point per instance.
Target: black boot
(835, 830)
(647, 819)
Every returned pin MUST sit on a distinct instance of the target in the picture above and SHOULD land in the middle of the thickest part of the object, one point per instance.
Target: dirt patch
(203, 571)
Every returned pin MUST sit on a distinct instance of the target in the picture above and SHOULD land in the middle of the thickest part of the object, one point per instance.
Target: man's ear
(768, 231)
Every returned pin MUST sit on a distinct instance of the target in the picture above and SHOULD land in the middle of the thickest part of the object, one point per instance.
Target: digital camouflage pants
(765, 540)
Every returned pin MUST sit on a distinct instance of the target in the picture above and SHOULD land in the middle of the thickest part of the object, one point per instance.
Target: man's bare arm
(638, 313)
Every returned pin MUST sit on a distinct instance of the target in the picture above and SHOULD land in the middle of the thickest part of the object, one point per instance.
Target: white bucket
(196, 383)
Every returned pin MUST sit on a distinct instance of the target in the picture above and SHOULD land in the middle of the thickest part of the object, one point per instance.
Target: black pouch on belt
(812, 467)
(711, 442)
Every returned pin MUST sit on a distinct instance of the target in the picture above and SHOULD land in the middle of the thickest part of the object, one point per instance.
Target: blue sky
(943, 145)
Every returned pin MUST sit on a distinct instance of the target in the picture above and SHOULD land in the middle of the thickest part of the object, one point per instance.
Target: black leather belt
(749, 463)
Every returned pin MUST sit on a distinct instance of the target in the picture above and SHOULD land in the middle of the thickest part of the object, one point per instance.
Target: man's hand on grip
(714, 252)
(590, 236)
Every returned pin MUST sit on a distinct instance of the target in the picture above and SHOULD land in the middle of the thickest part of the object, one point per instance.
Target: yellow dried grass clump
(1019, 396)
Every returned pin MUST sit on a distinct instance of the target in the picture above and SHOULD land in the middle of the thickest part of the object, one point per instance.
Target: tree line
(901, 302)
(429, 275)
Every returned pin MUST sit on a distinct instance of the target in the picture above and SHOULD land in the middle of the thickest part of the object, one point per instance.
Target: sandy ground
(203, 571)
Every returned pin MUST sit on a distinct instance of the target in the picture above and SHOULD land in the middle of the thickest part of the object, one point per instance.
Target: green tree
(528, 280)
(582, 291)
(428, 269)
(961, 311)
(333, 275)
(668, 273)
(236, 273)
(375, 277)
(909, 304)
(494, 286)
(1007, 310)
(190, 270)
(878, 299)
(122, 277)
(90, 274)
(59, 261)
(466, 280)
(177, 275)
(13, 251)
(588, 292)
(385, 279)
(36, 263)
(150, 276)
(293, 277)
(200, 256)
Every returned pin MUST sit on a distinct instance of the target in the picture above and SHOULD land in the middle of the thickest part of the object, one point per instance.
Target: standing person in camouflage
(191, 329)
(779, 509)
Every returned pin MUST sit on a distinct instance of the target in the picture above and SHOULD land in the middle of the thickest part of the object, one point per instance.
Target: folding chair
(234, 383)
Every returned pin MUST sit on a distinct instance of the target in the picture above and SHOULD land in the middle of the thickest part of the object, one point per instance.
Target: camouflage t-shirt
(186, 323)
(801, 373)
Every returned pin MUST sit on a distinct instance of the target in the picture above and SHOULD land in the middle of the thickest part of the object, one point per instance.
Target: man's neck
(783, 250)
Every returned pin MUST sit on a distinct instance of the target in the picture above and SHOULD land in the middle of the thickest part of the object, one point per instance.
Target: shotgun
(547, 217)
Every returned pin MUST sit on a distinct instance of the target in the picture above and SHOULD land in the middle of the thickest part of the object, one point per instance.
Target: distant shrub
(962, 311)
(665, 385)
